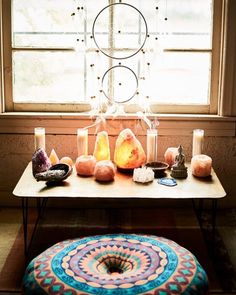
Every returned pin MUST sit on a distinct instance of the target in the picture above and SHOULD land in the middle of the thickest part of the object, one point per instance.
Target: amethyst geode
(40, 161)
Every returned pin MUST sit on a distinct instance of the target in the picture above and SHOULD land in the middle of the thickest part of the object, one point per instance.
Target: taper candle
(151, 145)
(39, 138)
(198, 136)
(82, 141)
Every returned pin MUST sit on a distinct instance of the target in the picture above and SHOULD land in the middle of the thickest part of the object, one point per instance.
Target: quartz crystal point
(129, 153)
(40, 161)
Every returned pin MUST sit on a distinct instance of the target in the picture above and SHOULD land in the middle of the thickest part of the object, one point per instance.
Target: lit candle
(198, 136)
(151, 145)
(201, 165)
(170, 155)
(39, 138)
(82, 141)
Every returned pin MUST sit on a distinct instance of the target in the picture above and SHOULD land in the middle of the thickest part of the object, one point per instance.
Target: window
(56, 54)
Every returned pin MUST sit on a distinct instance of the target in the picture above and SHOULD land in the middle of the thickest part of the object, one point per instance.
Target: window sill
(67, 123)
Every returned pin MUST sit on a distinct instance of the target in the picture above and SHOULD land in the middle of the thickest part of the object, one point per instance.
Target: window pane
(180, 78)
(68, 77)
(48, 77)
(44, 23)
(180, 23)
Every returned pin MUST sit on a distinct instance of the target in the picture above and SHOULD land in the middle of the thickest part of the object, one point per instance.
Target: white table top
(122, 187)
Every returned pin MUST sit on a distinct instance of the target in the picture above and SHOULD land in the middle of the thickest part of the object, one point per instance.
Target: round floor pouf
(116, 264)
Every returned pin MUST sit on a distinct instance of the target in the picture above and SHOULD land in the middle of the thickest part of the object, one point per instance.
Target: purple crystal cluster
(40, 161)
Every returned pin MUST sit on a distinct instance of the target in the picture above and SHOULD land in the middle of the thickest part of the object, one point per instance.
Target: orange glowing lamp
(129, 153)
(102, 148)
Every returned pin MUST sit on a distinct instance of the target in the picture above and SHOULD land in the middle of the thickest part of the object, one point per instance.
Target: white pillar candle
(151, 145)
(198, 136)
(201, 165)
(39, 138)
(82, 141)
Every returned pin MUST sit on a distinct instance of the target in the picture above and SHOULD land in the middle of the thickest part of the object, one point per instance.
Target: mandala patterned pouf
(116, 264)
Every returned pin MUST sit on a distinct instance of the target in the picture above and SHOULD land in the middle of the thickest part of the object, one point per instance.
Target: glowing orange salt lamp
(54, 158)
(102, 149)
(129, 153)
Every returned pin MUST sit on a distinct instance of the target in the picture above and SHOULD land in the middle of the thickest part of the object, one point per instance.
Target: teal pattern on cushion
(116, 264)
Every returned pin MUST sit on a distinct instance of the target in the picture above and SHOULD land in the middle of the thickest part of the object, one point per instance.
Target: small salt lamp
(170, 155)
(201, 165)
(102, 149)
(129, 153)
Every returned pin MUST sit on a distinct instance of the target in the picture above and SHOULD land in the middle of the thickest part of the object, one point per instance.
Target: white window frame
(223, 76)
(212, 108)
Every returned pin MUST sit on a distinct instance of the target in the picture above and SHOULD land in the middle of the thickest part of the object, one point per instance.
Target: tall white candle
(151, 145)
(82, 141)
(39, 138)
(198, 136)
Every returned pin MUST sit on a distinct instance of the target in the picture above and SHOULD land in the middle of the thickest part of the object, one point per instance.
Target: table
(86, 188)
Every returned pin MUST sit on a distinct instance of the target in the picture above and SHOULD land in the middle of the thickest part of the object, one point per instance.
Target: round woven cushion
(116, 264)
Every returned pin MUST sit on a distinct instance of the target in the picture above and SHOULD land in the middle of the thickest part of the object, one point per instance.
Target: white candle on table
(151, 145)
(198, 136)
(39, 138)
(82, 141)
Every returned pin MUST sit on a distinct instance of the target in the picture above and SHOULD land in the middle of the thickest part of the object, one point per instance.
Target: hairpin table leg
(24, 204)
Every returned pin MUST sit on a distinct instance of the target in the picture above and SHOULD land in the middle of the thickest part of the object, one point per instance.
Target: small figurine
(179, 170)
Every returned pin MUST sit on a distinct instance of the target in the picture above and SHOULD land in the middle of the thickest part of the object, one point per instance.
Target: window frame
(220, 8)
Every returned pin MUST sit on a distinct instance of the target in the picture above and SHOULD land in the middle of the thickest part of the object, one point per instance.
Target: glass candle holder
(82, 141)
(151, 145)
(198, 137)
(39, 138)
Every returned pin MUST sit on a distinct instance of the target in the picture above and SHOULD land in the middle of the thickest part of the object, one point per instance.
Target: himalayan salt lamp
(129, 153)
(85, 165)
(102, 149)
(104, 171)
(54, 158)
(201, 165)
(170, 155)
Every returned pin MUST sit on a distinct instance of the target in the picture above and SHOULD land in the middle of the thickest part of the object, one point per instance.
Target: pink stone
(201, 165)
(170, 155)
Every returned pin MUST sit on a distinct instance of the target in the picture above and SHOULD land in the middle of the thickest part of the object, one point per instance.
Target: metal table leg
(25, 209)
(24, 204)
(213, 221)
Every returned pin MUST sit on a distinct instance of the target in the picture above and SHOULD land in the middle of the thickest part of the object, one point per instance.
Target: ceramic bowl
(158, 168)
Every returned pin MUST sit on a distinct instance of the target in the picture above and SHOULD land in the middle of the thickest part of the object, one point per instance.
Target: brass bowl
(158, 168)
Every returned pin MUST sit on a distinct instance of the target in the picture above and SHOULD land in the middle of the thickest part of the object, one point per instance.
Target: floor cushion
(116, 264)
